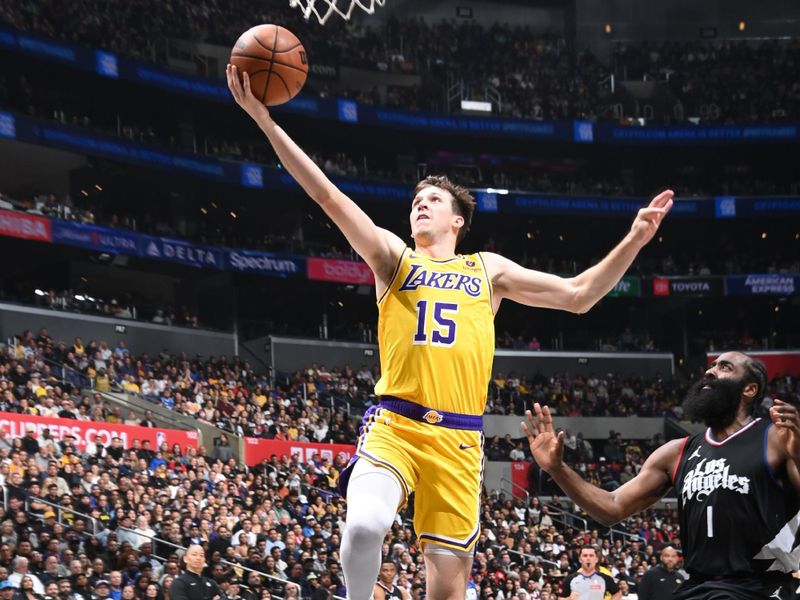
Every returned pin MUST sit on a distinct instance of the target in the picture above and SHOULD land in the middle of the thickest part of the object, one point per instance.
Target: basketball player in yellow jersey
(436, 339)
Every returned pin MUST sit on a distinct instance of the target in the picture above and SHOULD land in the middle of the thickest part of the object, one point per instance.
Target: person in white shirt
(20, 568)
(517, 453)
(245, 533)
(143, 529)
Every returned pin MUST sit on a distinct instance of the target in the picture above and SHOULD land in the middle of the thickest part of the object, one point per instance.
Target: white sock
(373, 494)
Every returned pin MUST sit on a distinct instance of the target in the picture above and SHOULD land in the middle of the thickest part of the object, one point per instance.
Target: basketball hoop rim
(309, 8)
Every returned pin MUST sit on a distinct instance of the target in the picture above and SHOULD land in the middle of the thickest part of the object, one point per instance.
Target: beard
(715, 406)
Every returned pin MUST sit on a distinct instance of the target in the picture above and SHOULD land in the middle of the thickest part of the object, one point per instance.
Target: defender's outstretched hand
(787, 425)
(547, 447)
(649, 218)
(242, 93)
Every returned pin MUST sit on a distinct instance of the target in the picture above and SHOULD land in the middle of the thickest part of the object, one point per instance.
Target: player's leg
(447, 571)
(373, 495)
(447, 510)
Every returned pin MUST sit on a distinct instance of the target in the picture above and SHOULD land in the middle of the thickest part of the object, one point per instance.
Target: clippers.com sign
(340, 271)
(84, 432)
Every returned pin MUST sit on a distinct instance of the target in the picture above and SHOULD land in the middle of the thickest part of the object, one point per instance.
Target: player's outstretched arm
(784, 440)
(379, 248)
(578, 294)
(650, 485)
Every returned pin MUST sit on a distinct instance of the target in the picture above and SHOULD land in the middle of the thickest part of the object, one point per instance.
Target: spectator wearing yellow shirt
(500, 381)
(259, 397)
(102, 382)
(114, 416)
(129, 385)
(16, 465)
(36, 386)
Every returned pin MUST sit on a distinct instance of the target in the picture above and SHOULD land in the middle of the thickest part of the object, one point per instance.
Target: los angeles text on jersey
(710, 475)
(419, 277)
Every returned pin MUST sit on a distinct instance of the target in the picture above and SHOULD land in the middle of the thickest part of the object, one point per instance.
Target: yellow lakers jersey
(436, 333)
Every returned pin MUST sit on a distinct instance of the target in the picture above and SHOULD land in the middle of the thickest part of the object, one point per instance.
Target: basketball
(275, 60)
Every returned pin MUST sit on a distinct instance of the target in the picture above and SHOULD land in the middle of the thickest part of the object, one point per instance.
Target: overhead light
(476, 106)
(89, 298)
(79, 297)
(98, 187)
(500, 191)
(39, 292)
(607, 28)
(742, 25)
(233, 214)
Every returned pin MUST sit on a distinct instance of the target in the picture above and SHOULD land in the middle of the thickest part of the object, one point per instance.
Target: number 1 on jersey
(710, 521)
(444, 333)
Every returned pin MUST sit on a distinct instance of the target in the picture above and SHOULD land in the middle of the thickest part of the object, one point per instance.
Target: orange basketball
(275, 60)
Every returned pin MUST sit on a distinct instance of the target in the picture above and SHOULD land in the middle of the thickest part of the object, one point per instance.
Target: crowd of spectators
(224, 392)
(678, 260)
(36, 94)
(595, 395)
(729, 81)
(627, 341)
(86, 522)
(124, 308)
(535, 75)
(83, 525)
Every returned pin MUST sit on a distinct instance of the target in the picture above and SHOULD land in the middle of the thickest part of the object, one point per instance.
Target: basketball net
(309, 7)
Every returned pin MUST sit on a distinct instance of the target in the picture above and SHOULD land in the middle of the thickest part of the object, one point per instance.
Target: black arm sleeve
(179, 590)
(645, 589)
(611, 586)
(566, 588)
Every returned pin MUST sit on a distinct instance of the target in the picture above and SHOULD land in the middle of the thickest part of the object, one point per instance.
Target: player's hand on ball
(547, 447)
(240, 89)
(649, 218)
(787, 426)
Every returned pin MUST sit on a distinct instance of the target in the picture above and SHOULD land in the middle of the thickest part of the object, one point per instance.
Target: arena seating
(537, 75)
(74, 516)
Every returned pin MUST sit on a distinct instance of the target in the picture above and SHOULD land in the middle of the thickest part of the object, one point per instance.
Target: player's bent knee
(365, 530)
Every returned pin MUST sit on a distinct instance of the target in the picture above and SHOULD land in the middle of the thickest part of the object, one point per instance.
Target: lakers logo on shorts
(432, 417)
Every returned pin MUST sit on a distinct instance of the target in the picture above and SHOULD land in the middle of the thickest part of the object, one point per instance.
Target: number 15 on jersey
(442, 329)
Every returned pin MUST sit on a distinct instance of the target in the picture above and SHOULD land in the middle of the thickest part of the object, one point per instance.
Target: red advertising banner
(25, 226)
(258, 449)
(520, 477)
(661, 287)
(340, 271)
(779, 362)
(85, 431)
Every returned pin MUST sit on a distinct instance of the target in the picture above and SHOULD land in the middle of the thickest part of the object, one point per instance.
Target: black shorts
(739, 589)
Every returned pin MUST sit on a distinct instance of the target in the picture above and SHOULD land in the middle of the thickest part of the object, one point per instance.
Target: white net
(324, 9)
